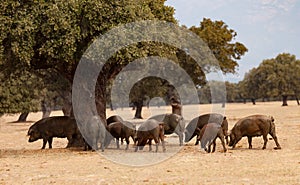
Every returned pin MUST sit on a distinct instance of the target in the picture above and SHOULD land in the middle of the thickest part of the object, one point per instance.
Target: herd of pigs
(206, 128)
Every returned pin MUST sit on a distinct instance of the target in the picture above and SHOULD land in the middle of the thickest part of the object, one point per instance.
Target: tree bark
(253, 101)
(176, 105)
(138, 110)
(176, 108)
(23, 117)
(223, 104)
(46, 109)
(100, 98)
(297, 100)
(284, 100)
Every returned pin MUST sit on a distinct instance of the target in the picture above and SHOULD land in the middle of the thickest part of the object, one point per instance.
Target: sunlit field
(25, 163)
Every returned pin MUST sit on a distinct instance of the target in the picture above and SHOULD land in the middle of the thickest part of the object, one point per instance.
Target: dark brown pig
(94, 132)
(114, 118)
(148, 131)
(251, 126)
(195, 125)
(173, 123)
(56, 126)
(208, 135)
(120, 130)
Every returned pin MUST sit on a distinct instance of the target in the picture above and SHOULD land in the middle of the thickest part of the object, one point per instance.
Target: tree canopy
(274, 77)
(53, 35)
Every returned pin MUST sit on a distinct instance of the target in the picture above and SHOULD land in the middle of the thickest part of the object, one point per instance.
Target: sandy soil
(25, 163)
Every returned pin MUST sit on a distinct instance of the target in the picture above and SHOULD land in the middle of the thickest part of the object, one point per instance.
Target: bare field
(25, 163)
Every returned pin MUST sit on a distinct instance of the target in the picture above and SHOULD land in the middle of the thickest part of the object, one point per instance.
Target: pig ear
(29, 132)
(272, 118)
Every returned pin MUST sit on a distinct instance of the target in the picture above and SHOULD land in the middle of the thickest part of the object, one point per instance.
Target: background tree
(217, 87)
(274, 78)
(232, 92)
(148, 87)
(28, 91)
(18, 94)
(220, 40)
(54, 35)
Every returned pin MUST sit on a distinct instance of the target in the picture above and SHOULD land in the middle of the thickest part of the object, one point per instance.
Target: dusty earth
(25, 163)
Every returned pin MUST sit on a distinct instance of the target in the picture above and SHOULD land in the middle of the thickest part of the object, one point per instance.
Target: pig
(251, 126)
(114, 118)
(93, 132)
(56, 126)
(148, 130)
(172, 123)
(198, 122)
(208, 135)
(122, 130)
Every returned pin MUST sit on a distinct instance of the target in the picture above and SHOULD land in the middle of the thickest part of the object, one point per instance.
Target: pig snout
(31, 139)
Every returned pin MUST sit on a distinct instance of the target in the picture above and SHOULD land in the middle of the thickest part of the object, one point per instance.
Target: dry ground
(25, 163)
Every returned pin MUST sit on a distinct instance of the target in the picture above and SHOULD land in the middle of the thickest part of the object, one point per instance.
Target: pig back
(254, 125)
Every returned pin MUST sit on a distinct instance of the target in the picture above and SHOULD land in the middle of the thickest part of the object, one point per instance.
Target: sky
(266, 27)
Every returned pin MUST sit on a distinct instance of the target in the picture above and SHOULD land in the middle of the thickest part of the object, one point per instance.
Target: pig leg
(250, 142)
(236, 140)
(226, 138)
(134, 140)
(180, 135)
(95, 144)
(208, 148)
(276, 141)
(50, 142)
(163, 145)
(156, 140)
(44, 143)
(70, 141)
(223, 143)
(214, 145)
(265, 141)
(197, 140)
(102, 146)
(180, 139)
(150, 147)
(127, 142)
(118, 145)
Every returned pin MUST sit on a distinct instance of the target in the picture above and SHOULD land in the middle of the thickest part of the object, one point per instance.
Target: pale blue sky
(266, 27)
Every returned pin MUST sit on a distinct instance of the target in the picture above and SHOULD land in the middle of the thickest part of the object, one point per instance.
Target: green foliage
(18, 93)
(219, 39)
(232, 92)
(23, 91)
(149, 87)
(273, 78)
(213, 92)
(52, 36)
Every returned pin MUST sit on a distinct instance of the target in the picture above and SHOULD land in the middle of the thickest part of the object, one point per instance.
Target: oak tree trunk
(46, 109)
(23, 117)
(284, 100)
(298, 103)
(253, 101)
(176, 108)
(138, 110)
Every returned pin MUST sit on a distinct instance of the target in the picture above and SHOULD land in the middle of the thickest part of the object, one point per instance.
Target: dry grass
(24, 163)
